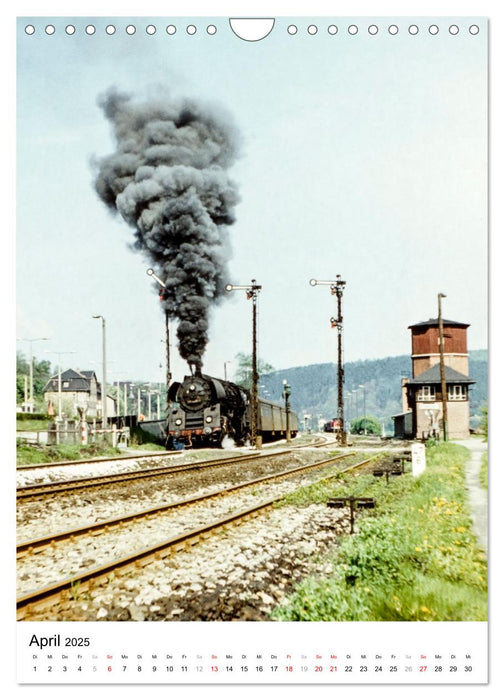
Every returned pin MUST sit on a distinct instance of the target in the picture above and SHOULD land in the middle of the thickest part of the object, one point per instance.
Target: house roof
(435, 322)
(433, 376)
(77, 381)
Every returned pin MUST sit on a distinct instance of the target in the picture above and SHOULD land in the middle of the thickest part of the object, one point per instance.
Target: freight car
(207, 410)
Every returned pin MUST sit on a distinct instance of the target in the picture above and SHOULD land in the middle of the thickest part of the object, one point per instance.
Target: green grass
(412, 558)
(32, 424)
(484, 471)
(33, 454)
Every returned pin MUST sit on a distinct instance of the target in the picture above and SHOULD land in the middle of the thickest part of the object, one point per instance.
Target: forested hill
(377, 382)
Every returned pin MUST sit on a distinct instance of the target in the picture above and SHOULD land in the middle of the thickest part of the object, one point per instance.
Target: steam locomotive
(208, 410)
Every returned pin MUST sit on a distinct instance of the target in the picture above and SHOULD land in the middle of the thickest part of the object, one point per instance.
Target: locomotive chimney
(195, 368)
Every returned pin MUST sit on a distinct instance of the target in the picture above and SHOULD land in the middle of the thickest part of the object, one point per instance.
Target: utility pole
(442, 368)
(337, 287)
(30, 400)
(168, 361)
(162, 297)
(104, 374)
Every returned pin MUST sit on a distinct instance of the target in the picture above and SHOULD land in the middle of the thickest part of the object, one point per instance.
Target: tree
(41, 375)
(243, 374)
(365, 424)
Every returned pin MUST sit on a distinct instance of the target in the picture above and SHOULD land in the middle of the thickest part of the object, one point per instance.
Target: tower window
(457, 392)
(426, 393)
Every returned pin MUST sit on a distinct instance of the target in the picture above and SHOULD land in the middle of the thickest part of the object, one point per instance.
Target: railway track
(160, 550)
(36, 545)
(95, 460)
(63, 486)
(318, 441)
(51, 487)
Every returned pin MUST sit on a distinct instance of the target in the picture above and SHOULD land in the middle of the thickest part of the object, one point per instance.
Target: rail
(37, 544)
(85, 578)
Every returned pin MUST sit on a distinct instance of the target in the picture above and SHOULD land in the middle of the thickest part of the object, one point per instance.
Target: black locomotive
(208, 410)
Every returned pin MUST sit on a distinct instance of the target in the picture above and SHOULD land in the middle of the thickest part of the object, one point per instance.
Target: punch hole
(453, 29)
(373, 29)
(252, 28)
(413, 29)
(353, 29)
(211, 29)
(312, 29)
(29, 29)
(171, 29)
(110, 29)
(50, 29)
(474, 29)
(433, 29)
(90, 29)
(292, 29)
(393, 29)
(70, 29)
(130, 29)
(150, 29)
(191, 29)
(332, 29)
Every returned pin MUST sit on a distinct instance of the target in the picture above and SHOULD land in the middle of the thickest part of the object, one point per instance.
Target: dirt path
(478, 496)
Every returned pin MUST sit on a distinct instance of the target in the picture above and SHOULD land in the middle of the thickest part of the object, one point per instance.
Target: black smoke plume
(168, 180)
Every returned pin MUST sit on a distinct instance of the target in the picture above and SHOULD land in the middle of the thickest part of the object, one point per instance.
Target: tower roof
(435, 322)
(433, 376)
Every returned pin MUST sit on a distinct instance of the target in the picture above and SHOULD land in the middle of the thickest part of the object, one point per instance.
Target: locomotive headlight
(208, 419)
(178, 421)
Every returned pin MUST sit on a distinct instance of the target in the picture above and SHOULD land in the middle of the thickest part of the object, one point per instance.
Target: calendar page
(252, 349)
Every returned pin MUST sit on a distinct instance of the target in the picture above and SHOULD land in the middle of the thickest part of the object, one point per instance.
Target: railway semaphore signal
(251, 290)
(163, 297)
(337, 287)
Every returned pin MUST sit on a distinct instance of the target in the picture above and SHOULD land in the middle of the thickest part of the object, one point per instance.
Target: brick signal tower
(425, 346)
(422, 395)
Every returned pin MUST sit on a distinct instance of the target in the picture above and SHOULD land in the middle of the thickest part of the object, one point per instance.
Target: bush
(31, 416)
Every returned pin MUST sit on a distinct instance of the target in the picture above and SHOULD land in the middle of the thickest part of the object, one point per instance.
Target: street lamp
(104, 372)
(162, 297)
(120, 393)
(356, 406)
(252, 290)
(31, 341)
(361, 386)
(348, 395)
(442, 368)
(337, 287)
(286, 394)
(149, 401)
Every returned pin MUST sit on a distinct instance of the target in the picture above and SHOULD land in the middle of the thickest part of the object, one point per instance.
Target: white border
(257, 9)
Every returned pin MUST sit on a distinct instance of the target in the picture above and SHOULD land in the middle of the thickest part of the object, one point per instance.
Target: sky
(361, 155)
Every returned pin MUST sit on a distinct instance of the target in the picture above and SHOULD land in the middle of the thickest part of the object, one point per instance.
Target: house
(422, 399)
(79, 389)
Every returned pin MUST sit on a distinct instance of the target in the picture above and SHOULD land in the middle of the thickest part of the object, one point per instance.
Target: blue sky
(362, 155)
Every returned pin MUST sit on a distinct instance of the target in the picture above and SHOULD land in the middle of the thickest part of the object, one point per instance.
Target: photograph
(252, 345)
